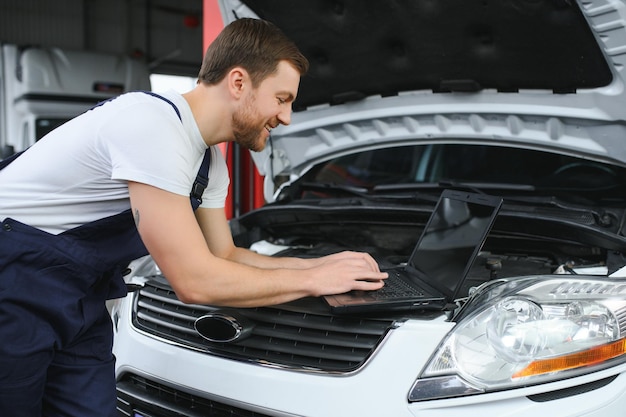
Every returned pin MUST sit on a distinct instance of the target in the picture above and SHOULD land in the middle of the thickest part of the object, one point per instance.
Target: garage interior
(167, 35)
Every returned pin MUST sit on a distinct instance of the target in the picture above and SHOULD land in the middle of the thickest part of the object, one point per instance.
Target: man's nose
(284, 117)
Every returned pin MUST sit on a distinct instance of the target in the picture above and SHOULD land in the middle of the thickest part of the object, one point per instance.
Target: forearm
(235, 284)
(223, 282)
(251, 258)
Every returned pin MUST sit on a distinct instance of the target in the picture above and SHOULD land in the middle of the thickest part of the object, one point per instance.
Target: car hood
(527, 73)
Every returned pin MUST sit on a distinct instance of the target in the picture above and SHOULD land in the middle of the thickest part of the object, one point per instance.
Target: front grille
(280, 337)
(137, 395)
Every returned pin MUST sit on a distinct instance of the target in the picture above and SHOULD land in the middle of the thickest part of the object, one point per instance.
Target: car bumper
(158, 378)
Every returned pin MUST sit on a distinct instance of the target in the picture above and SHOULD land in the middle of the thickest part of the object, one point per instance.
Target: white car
(520, 99)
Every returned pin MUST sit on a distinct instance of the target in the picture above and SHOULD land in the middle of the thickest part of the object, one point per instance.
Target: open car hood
(541, 74)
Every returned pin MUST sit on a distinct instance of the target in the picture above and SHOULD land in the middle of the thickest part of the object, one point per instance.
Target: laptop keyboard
(394, 288)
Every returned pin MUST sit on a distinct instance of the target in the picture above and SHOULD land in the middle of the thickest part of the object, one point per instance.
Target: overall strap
(6, 161)
(150, 93)
(202, 179)
(165, 100)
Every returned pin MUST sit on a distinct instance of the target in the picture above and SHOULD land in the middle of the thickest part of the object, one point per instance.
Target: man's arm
(212, 270)
(216, 230)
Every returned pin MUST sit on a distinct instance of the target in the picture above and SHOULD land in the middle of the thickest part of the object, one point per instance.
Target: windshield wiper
(362, 192)
(335, 188)
(477, 187)
(601, 217)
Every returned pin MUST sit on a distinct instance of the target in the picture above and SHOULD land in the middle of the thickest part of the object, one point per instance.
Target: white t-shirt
(79, 172)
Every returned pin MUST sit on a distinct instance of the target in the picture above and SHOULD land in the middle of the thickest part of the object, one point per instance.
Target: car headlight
(528, 331)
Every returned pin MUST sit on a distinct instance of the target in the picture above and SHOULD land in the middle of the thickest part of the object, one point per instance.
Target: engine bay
(506, 252)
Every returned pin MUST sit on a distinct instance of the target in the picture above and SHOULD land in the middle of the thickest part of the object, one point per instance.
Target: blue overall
(55, 332)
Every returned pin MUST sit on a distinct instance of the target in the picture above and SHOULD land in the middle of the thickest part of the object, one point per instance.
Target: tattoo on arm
(136, 216)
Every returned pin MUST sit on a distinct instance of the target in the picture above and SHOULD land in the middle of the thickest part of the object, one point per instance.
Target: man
(73, 203)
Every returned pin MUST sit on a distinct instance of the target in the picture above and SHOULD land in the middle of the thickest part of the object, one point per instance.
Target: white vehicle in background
(522, 99)
(41, 88)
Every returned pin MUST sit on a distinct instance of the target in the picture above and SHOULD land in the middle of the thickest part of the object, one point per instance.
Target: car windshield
(480, 166)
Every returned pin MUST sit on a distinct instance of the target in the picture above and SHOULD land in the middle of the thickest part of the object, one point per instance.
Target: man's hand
(345, 271)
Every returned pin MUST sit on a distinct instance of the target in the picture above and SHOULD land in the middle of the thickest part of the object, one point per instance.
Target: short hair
(255, 45)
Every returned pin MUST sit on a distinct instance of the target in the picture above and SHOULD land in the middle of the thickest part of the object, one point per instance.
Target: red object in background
(191, 21)
(246, 184)
(252, 184)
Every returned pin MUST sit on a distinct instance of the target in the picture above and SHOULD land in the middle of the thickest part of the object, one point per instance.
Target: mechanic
(122, 181)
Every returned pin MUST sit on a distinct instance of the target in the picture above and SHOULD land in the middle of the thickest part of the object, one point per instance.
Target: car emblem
(223, 326)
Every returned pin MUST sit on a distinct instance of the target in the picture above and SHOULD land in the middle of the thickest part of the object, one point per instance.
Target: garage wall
(166, 34)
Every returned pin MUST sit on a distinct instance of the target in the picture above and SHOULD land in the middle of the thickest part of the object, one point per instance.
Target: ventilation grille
(279, 337)
(137, 395)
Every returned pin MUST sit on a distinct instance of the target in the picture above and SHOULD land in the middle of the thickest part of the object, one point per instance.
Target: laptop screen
(452, 239)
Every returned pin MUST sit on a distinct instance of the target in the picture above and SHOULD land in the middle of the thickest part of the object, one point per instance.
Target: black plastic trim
(568, 392)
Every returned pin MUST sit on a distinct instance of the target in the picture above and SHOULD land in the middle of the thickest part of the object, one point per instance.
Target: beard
(246, 129)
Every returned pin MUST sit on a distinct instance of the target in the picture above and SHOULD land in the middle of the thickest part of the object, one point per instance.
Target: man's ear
(237, 80)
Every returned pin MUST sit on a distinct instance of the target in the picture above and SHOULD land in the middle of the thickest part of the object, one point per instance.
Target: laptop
(440, 262)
